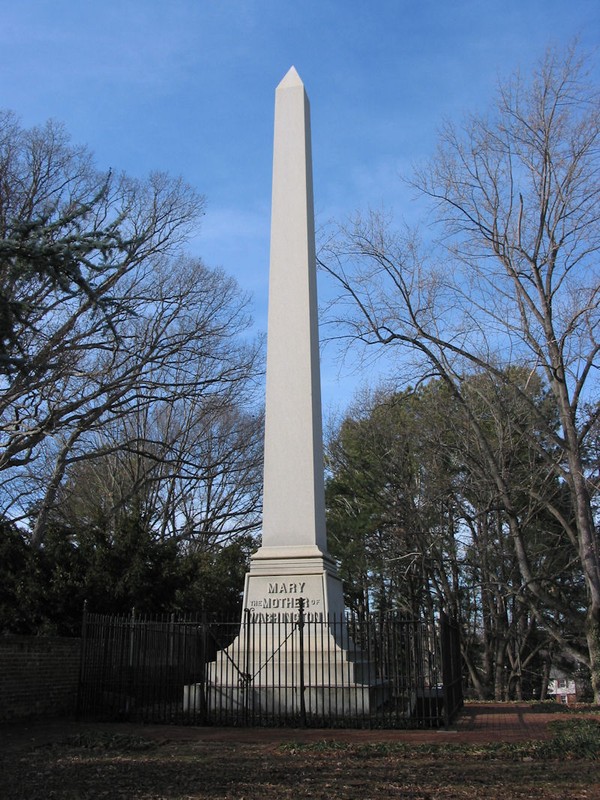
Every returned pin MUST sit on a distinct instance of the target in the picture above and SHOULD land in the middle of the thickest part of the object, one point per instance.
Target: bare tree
(69, 232)
(77, 248)
(114, 343)
(515, 283)
(193, 479)
(179, 362)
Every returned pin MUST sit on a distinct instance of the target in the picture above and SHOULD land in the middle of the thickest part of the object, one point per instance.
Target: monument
(292, 569)
(294, 545)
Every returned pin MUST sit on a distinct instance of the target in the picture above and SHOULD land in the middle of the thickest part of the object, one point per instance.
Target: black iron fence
(285, 669)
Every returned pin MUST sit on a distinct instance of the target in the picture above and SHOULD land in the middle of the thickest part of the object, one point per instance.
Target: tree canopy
(129, 422)
(417, 523)
(510, 288)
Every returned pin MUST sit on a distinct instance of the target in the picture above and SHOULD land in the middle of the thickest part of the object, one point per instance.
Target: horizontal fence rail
(286, 669)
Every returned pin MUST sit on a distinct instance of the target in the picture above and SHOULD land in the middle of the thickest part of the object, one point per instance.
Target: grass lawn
(97, 762)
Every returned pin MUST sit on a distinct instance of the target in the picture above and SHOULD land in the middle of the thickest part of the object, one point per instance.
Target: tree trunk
(478, 686)
(593, 642)
(545, 679)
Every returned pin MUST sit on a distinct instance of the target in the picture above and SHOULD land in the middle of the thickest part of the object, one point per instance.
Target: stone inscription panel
(270, 598)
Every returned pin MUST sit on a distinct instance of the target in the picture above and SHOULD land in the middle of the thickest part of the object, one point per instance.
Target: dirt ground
(490, 752)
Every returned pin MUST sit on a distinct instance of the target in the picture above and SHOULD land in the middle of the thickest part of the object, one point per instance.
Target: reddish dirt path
(476, 723)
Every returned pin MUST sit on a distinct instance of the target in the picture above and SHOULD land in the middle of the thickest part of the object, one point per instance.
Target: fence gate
(296, 669)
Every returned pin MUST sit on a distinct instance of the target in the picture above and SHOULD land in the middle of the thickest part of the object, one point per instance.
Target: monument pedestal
(293, 655)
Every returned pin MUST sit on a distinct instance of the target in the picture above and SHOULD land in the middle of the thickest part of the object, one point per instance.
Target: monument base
(321, 702)
(293, 653)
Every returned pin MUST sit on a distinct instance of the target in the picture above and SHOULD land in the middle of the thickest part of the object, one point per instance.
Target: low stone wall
(38, 676)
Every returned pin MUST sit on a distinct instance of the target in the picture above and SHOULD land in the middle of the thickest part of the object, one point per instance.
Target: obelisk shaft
(293, 507)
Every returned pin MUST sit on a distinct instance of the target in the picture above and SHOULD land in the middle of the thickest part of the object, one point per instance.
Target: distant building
(562, 687)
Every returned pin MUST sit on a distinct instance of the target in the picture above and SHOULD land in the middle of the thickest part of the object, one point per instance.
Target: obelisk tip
(291, 78)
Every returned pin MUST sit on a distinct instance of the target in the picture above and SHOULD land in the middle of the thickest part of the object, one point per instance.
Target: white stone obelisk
(261, 668)
(293, 510)
(293, 559)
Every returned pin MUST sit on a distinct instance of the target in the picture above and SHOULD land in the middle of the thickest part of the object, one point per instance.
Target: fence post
(82, 659)
(199, 667)
(447, 676)
(246, 678)
(301, 603)
(129, 700)
(451, 668)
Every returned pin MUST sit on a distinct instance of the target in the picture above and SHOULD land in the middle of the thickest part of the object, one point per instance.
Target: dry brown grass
(107, 763)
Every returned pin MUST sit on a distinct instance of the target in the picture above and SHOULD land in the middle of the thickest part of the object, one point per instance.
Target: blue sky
(187, 86)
